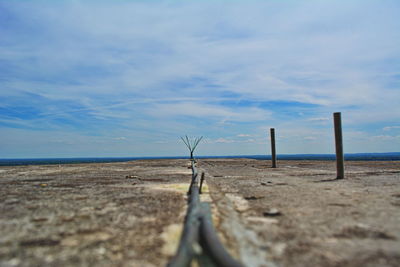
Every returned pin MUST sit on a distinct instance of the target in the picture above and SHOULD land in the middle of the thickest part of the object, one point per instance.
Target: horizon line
(199, 156)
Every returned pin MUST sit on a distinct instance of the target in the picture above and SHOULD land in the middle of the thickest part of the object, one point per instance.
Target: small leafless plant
(191, 144)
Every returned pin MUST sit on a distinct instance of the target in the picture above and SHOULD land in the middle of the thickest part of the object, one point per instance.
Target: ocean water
(358, 156)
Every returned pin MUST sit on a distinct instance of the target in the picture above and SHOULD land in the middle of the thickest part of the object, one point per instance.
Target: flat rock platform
(131, 213)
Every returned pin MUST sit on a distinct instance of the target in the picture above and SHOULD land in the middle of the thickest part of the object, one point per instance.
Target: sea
(392, 156)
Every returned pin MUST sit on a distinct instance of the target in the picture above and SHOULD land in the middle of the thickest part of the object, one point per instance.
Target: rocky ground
(131, 213)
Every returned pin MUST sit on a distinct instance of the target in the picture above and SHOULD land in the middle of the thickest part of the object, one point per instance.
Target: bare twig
(191, 144)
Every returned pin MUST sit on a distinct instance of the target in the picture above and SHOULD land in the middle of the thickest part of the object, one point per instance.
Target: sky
(129, 78)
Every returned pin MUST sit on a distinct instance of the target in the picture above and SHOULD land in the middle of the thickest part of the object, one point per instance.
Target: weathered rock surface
(301, 216)
(131, 214)
(90, 214)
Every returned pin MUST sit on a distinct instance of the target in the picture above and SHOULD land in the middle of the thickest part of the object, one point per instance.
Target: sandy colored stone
(92, 215)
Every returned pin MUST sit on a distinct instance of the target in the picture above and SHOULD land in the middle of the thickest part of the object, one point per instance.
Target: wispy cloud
(319, 119)
(155, 70)
(389, 128)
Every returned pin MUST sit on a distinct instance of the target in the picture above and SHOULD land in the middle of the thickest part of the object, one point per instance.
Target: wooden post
(337, 118)
(273, 150)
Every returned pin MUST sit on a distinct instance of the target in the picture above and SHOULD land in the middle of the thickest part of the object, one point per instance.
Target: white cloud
(119, 138)
(385, 137)
(144, 67)
(389, 128)
(310, 138)
(207, 111)
(243, 135)
(224, 140)
(319, 119)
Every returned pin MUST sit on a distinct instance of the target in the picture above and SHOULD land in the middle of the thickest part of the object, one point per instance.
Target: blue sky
(128, 78)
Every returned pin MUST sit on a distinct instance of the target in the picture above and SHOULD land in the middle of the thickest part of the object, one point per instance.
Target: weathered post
(273, 150)
(337, 118)
(201, 182)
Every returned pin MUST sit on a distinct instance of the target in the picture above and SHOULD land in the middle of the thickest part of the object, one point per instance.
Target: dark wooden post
(273, 150)
(337, 119)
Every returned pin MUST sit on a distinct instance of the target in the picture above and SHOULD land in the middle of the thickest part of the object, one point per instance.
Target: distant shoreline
(392, 156)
